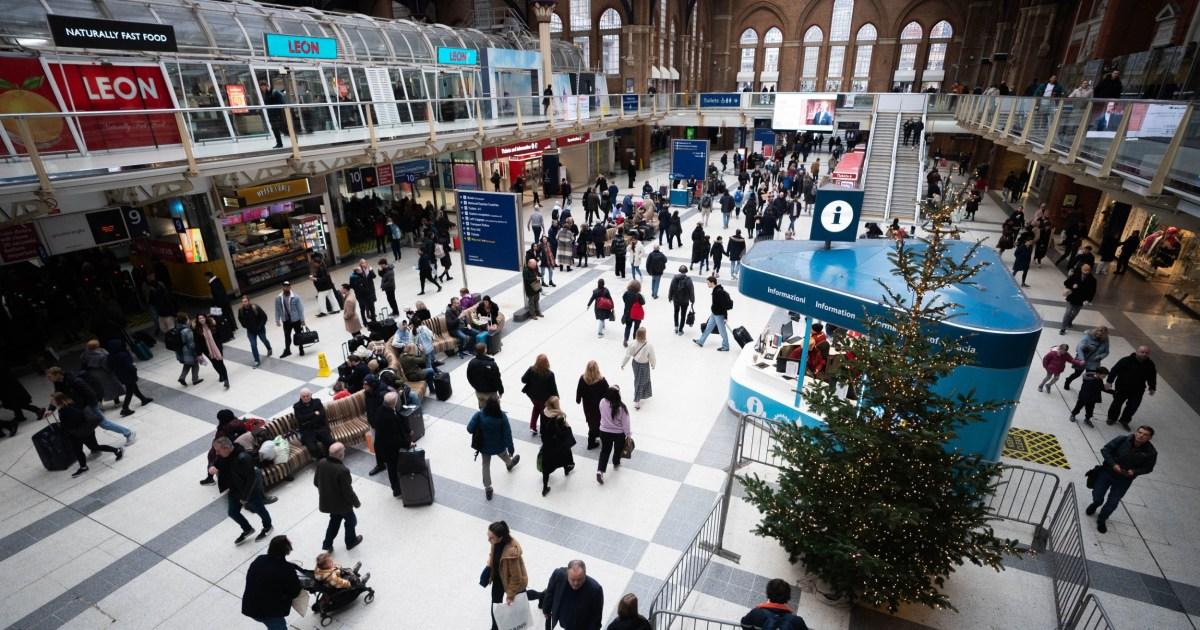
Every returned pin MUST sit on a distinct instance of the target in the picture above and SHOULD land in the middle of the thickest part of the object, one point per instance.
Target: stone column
(542, 10)
(722, 65)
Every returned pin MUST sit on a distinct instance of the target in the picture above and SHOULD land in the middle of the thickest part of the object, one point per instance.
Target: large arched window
(610, 42)
(670, 50)
(772, 40)
(555, 23)
(839, 39)
(909, 37)
(863, 48)
(939, 37)
(749, 44)
(813, 38)
(581, 28)
(662, 28)
(839, 25)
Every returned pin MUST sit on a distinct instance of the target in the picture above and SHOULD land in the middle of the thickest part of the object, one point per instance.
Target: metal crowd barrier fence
(686, 573)
(1025, 495)
(1092, 615)
(1070, 574)
(671, 620)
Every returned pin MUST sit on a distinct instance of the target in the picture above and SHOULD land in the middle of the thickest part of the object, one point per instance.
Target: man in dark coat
(336, 497)
(373, 392)
(682, 294)
(1125, 457)
(1081, 287)
(572, 600)
(1132, 374)
(254, 320)
(236, 472)
(271, 585)
(1109, 87)
(273, 96)
(484, 376)
(656, 265)
(775, 610)
(221, 298)
(313, 424)
(392, 434)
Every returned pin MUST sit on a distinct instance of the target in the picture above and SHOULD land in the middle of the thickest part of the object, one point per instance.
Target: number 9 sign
(135, 221)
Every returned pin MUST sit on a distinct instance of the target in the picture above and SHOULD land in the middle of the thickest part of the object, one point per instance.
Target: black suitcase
(416, 420)
(441, 386)
(382, 329)
(416, 487)
(742, 336)
(53, 446)
(494, 344)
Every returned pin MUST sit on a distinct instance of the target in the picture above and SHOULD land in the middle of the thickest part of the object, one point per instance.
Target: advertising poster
(1105, 119)
(1154, 120)
(18, 242)
(87, 88)
(465, 177)
(25, 89)
(236, 97)
(804, 112)
(491, 229)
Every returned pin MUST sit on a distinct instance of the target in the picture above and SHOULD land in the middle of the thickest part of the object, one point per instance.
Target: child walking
(1089, 393)
(1055, 362)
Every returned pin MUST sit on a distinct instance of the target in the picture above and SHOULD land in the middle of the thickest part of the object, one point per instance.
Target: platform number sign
(837, 214)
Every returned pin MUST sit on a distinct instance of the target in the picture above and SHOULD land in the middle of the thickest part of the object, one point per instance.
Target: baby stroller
(327, 599)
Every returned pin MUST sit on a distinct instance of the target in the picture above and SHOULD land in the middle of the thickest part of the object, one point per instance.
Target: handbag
(536, 286)
(305, 336)
(604, 303)
(636, 312)
(477, 439)
(627, 452)
(690, 320)
(1090, 476)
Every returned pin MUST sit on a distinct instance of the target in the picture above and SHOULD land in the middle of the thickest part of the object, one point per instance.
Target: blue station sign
(720, 99)
(457, 56)
(300, 46)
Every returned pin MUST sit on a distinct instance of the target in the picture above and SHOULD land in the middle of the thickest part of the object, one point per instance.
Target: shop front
(514, 162)
(576, 160)
(369, 193)
(180, 243)
(271, 230)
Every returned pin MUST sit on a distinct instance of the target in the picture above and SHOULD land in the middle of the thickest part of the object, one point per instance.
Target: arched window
(581, 27)
(839, 26)
(662, 28)
(555, 23)
(911, 34)
(610, 42)
(694, 59)
(813, 38)
(864, 47)
(749, 44)
(772, 40)
(937, 49)
(670, 49)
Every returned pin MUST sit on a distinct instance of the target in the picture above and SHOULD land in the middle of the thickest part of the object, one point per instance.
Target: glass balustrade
(1043, 116)
(1184, 173)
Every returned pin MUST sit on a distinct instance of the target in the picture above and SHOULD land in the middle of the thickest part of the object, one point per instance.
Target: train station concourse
(583, 314)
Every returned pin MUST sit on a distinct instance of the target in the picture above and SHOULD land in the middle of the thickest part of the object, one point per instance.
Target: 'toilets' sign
(300, 46)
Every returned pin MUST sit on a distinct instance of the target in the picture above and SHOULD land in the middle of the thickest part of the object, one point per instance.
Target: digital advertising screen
(804, 112)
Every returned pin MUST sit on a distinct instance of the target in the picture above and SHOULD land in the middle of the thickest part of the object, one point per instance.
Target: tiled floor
(139, 543)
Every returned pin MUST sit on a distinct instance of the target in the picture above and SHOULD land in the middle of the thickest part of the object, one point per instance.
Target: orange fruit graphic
(15, 100)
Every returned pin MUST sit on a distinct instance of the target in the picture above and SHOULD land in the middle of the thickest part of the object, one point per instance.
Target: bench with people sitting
(318, 426)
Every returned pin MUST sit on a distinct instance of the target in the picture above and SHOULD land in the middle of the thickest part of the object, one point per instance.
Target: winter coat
(1082, 288)
(656, 263)
(120, 363)
(1133, 376)
(496, 433)
(387, 278)
(363, 285)
(600, 312)
(95, 363)
(484, 375)
(1021, 257)
(557, 440)
(539, 386)
(271, 585)
(511, 571)
(717, 252)
(629, 298)
(589, 396)
(350, 314)
(737, 247)
(681, 290)
(1055, 362)
(1091, 351)
(334, 492)
(187, 353)
(253, 318)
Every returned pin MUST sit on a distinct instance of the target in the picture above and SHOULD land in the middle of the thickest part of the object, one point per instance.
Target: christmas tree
(874, 504)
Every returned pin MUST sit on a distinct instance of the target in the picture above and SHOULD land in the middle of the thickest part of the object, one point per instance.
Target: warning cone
(323, 365)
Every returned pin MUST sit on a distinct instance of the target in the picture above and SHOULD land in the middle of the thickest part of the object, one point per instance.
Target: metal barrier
(1025, 495)
(756, 442)
(686, 573)
(1070, 574)
(1092, 616)
(671, 620)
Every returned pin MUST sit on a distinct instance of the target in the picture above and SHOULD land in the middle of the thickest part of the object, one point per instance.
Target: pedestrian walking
(254, 320)
(636, 251)
(675, 230)
(536, 223)
(737, 247)
(618, 249)
(1054, 363)
(1090, 390)
(1130, 377)
(682, 294)
(15, 398)
(589, 392)
(210, 346)
(182, 339)
(491, 435)
(1021, 259)
(634, 309)
(1089, 352)
(1129, 247)
(628, 617)
(441, 252)
(775, 612)
(1081, 288)
(387, 284)
(540, 386)
(572, 600)
(615, 430)
(80, 427)
(78, 390)
(557, 440)
(392, 435)
(656, 265)
(484, 376)
(425, 269)
(602, 305)
(327, 302)
(1126, 457)
(721, 305)
(220, 297)
(531, 283)
(505, 566)
(271, 584)
(122, 367)
(237, 473)
(336, 497)
(94, 363)
(641, 353)
(289, 313)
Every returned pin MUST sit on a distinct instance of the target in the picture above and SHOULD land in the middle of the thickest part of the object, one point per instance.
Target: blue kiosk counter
(839, 287)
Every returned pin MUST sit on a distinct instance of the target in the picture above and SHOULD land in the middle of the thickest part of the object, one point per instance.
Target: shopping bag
(515, 616)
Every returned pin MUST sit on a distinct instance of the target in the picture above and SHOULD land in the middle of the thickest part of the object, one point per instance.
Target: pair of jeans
(464, 341)
(1112, 484)
(613, 443)
(335, 523)
(733, 267)
(396, 248)
(654, 282)
(715, 322)
(635, 271)
(725, 220)
(600, 325)
(254, 504)
(109, 425)
(547, 274)
(506, 457)
(254, 337)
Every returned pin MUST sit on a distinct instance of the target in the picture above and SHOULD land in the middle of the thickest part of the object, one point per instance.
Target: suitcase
(382, 329)
(146, 338)
(742, 336)
(416, 421)
(53, 447)
(141, 351)
(441, 386)
(416, 487)
(493, 343)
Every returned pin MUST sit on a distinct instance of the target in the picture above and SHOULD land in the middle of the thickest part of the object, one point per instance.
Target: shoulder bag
(627, 452)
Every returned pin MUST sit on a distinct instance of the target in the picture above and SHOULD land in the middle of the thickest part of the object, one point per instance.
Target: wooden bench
(347, 420)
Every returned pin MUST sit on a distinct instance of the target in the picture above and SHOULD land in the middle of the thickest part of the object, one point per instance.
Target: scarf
(214, 351)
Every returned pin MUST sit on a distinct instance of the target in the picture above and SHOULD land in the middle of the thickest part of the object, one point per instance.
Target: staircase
(881, 149)
(907, 182)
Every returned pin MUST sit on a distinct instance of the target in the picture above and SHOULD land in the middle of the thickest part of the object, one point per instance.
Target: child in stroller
(334, 587)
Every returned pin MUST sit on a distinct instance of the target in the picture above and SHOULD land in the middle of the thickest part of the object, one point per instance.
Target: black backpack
(173, 339)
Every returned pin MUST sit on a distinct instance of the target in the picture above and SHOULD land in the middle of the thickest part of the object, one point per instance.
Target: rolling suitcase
(441, 386)
(53, 447)
(416, 478)
(742, 336)
(416, 420)
(141, 351)
(493, 343)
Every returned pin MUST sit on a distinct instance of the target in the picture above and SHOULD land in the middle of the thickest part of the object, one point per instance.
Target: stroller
(327, 599)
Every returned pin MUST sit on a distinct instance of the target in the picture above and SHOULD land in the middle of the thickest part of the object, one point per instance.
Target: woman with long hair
(539, 387)
(614, 430)
(210, 346)
(505, 565)
(590, 391)
(557, 441)
(627, 615)
(642, 355)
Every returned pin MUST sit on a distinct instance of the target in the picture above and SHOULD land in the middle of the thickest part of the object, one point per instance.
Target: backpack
(737, 197)
(778, 622)
(173, 339)
(706, 201)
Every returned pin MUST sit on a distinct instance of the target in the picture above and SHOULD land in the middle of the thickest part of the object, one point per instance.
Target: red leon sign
(90, 88)
(533, 146)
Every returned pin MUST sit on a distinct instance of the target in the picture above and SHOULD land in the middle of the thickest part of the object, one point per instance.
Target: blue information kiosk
(840, 286)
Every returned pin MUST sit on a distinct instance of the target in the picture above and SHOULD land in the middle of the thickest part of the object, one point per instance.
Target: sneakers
(1091, 509)
(357, 541)
(263, 534)
(723, 349)
(147, 401)
(600, 478)
(126, 412)
(1073, 419)
(197, 381)
(130, 439)
(286, 353)
(515, 460)
(183, 382)
(79, 471)
(545, 490)
(246, 533)
(1040, 388)
(120, 453)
